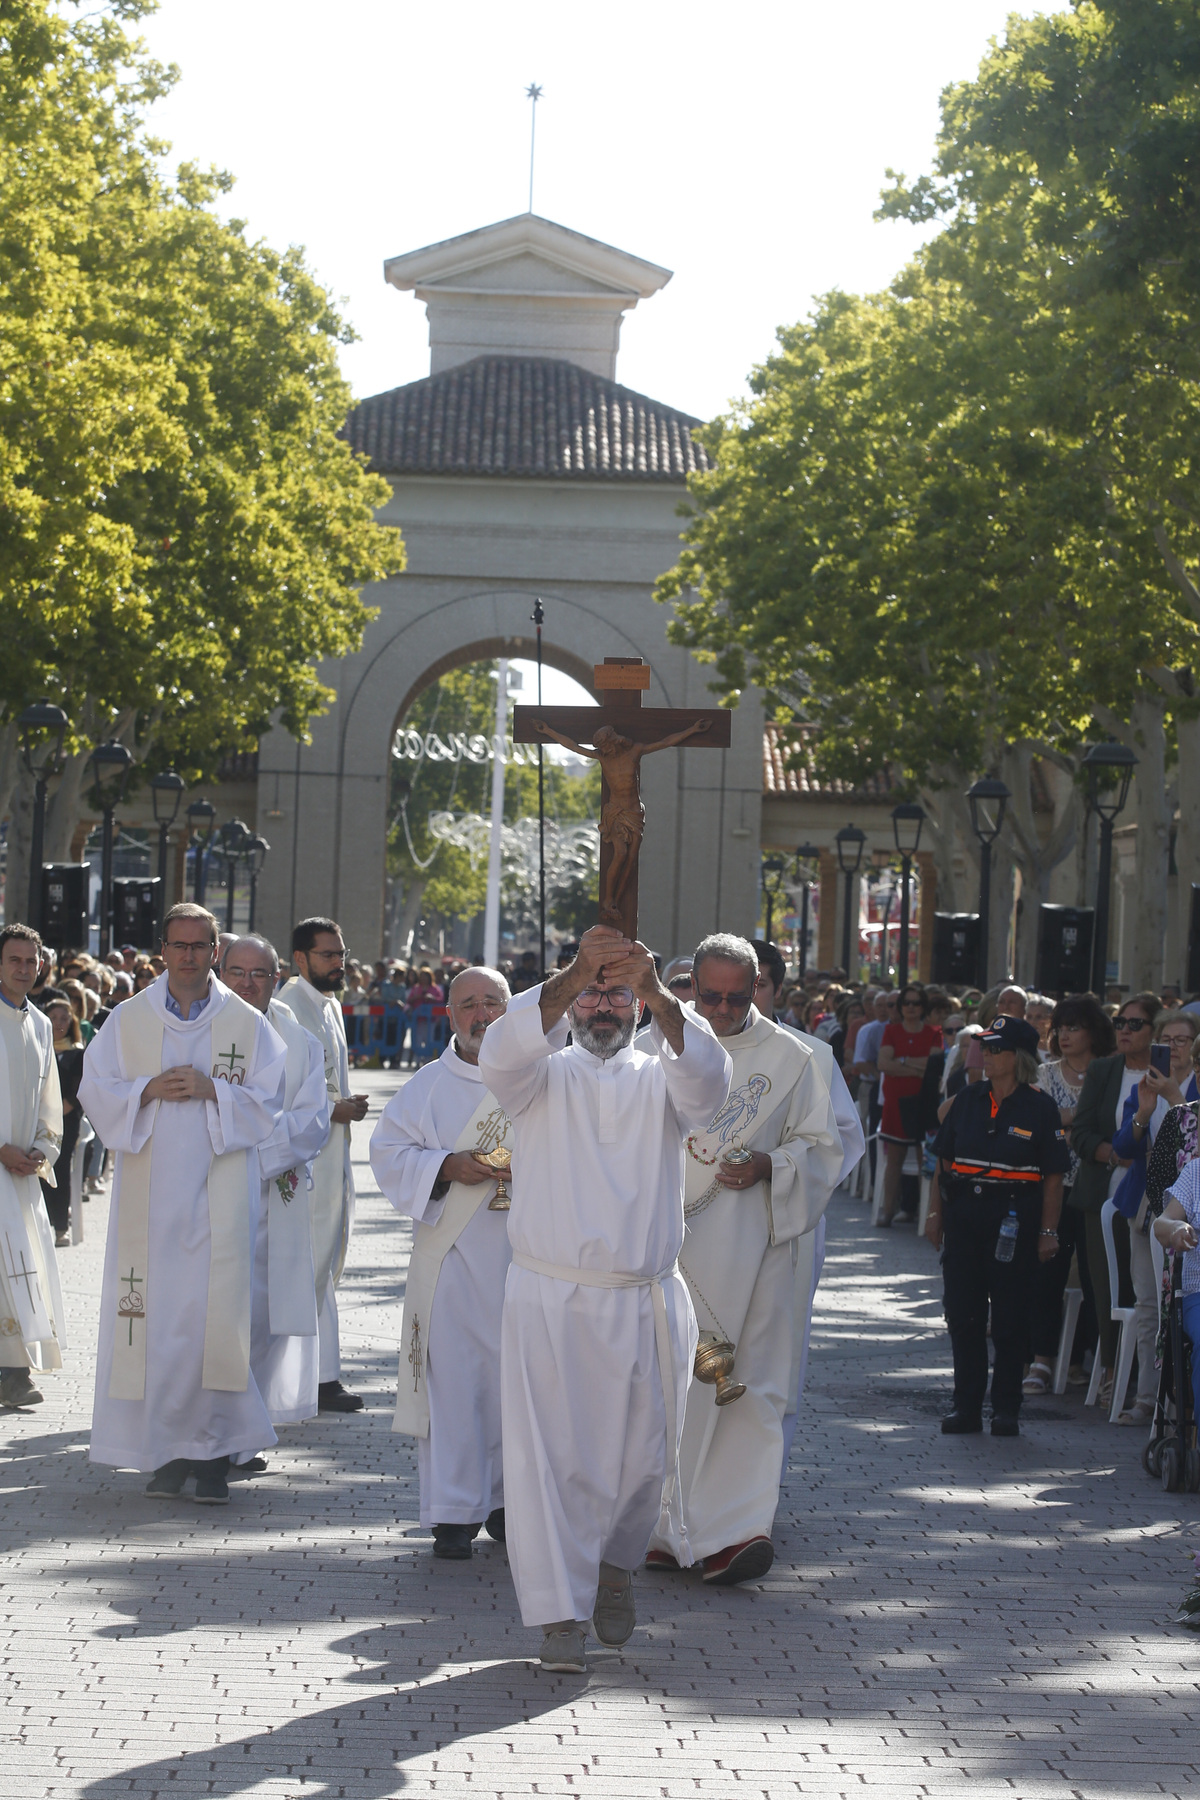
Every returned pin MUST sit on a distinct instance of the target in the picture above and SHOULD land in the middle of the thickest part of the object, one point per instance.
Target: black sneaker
(17, 1389)
(212, 1484)
(959, 1424)
(453, 1542)
(494, 1524)
(333, 1397)
(167, 1483)
(1004, 1426)
(245, 1471)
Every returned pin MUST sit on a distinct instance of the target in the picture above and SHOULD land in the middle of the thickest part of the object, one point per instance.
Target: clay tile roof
(779, 779)
(510, 415)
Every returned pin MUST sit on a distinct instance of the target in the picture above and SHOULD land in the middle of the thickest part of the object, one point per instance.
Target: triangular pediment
(526, 272)
(526, 255)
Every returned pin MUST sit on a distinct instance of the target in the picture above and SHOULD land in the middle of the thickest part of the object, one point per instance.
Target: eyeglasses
(736, 1001)
(1133, 1024)
(250, 974)
(590, 998)
(188, 944)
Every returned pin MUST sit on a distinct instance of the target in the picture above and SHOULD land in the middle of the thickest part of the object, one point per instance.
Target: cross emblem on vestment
(626, 732)
(131, 1305)
(24, 1273)
(232, 1056)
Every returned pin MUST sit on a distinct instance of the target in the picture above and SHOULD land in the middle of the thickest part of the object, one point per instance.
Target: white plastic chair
(1072, 1301)
(1122, 1316)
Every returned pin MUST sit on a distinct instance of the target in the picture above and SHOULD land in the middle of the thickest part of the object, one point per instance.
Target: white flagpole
(491, 917)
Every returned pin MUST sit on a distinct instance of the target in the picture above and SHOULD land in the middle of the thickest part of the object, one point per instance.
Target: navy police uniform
(993, 1157)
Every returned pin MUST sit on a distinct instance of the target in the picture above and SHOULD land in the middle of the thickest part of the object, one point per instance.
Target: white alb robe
(448, 1391)
(31, 1310)
(739, 1260)
(178, 1418)
(332, 1195)
(597, 1187)
(283, 1322)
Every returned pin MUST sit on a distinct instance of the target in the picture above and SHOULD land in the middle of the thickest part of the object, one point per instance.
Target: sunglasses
(1133, 1024)
(736, 1001)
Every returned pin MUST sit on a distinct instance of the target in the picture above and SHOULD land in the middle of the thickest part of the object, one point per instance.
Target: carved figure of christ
(620, 735)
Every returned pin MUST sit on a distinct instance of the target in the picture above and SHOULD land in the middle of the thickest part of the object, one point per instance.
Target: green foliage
(182, 531)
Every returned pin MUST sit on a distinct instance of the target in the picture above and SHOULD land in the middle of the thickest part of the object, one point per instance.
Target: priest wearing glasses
(598, 1334)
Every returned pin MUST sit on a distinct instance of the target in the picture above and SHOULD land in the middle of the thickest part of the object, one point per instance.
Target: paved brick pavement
(942, 1611)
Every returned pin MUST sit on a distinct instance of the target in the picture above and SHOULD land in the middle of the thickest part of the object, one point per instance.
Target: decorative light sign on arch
(472, 747)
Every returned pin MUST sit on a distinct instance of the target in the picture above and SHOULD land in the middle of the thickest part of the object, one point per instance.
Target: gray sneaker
(613, 1618)
(562, 1650)
(17, 1389)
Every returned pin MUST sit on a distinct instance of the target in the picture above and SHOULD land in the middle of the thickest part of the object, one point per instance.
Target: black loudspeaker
(135, 911)
(1064, 955)
(65, 905)
(1193, 944)
(955, 949)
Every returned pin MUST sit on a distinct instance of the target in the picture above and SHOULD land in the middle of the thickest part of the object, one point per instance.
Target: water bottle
(1006, 1243)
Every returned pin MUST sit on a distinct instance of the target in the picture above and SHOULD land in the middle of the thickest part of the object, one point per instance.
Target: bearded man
(426, 1152)
(319, 953)
(759, 1176)
(598, 1334)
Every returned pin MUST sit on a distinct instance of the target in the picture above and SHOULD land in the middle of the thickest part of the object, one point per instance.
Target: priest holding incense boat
(184, 1082)
(428, 1153)
(598, 1333)
(759, 1176)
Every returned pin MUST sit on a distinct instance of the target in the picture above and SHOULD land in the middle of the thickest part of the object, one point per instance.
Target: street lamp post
(907, 820)
(1109, 771)
(987, 800)
(110, 764)
(773, 872)
(234, 838)
(850, 841)
(805, 853)
(201, 815)
(42, 727)
(166, 791)
(257, 856)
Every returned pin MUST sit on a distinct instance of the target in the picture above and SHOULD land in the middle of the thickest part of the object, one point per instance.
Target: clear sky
(743, 147)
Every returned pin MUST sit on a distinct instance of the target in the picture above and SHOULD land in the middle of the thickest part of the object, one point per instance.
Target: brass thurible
(501, 1160)
(714, 1365)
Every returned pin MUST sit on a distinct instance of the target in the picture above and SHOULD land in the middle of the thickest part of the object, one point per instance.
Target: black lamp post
(257, 854)
(200, 817)
(42, 726)
(907, 820)
(805, 853)
(1109, 771)
(987, 800)
(110, 764)
(850, 841)
(234, 838)
(773, 872)
(166, 791)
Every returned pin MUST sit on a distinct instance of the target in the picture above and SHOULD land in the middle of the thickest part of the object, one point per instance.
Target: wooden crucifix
(621, 731)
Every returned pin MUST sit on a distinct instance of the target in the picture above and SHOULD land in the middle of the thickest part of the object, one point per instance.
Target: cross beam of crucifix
(620, 732)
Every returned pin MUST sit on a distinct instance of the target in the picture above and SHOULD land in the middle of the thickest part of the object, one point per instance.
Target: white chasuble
(173, 1377)
(332, 1193)
(738, 1257)
(31, 1311)
(595, 1311)
(448, 1386)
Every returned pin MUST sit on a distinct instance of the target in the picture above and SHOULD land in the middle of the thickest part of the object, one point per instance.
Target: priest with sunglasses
(598, 1333)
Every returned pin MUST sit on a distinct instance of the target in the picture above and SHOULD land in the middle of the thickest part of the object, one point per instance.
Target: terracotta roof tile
(509, 415)
(779, 779)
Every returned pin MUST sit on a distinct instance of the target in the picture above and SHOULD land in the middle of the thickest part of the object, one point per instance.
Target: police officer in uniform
(1000, 1149)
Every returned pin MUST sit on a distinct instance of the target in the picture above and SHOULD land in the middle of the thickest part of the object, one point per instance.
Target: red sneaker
(741, 1562)
(660, 1559)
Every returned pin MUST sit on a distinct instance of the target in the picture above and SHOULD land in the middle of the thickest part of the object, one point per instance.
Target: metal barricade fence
(376, 1031)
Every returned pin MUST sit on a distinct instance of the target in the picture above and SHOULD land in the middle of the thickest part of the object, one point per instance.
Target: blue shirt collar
(173, 1006)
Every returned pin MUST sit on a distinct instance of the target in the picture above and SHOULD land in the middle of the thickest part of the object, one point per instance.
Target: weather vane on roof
(532, 92)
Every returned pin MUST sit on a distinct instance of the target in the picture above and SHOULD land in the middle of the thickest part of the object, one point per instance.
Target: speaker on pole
(1064, 955)
(955, 949)
(1193, 943)
(135, 911)
(65, 905)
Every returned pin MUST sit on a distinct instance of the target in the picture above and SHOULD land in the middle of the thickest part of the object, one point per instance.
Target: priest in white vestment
(184, 1081)
(759, 1176)
(426, 1156)
(319, 952)
(31, 1123)
(598, 1332)
(283, 1321)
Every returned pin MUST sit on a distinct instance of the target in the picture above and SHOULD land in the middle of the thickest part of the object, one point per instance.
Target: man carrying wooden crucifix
(183, 1082)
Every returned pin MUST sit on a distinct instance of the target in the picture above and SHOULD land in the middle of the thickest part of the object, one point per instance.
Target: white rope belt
(606, 1278)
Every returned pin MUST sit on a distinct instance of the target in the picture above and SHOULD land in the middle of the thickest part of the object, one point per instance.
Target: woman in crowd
(1079, 1032)
(908, 1042)
(77, 996)
(850, 1015)
(1107, 1085)
(1178, 1230)
(1040, 1013)
(68, 1054)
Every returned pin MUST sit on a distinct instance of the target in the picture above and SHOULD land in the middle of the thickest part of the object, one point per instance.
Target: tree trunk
(1187, 841)
(413, 895)
(1153, 836)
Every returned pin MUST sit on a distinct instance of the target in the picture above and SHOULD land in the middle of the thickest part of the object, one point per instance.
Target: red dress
(901, 1087)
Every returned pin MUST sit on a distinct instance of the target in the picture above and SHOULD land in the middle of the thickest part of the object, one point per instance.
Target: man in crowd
(184, 1082)
(744, 1217)
(31, 1124)
(426, 1156)
(320, 955)
(283, 1324)
(598, 1332)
